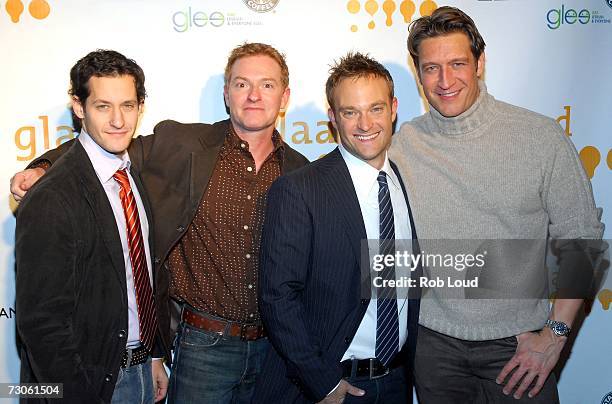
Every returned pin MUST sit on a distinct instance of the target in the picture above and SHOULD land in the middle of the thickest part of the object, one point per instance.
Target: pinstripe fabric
(310, 293)
(387, 324)
(144, 293)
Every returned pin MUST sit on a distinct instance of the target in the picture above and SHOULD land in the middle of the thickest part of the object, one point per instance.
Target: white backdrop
(551, 56)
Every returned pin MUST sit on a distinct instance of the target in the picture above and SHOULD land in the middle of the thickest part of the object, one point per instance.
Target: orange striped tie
(142, 285)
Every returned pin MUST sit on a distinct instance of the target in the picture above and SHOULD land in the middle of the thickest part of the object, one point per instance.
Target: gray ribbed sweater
(494, 172)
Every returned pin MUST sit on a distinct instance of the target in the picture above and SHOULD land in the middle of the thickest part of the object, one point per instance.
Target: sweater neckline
(469, 121)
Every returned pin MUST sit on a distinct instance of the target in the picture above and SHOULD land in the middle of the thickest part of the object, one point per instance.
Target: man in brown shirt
(207, 185)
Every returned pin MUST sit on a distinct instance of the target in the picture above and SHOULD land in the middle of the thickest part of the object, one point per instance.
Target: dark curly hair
(102, 63)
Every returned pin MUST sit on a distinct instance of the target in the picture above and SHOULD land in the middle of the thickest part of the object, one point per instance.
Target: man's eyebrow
(373, 104)
(262, 79)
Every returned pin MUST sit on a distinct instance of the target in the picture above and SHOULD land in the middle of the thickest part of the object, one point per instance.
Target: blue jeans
(134, 385)
(213, 369)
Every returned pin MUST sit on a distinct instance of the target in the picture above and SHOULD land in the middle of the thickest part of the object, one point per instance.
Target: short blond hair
(255, 49)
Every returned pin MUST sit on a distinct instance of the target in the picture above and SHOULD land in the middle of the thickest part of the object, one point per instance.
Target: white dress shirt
(364, 178)
(105, 165)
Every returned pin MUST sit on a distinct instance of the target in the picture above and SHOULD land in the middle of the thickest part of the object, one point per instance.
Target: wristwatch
(558, 327)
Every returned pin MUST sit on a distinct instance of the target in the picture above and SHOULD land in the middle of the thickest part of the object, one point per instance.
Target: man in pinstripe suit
(332, 342)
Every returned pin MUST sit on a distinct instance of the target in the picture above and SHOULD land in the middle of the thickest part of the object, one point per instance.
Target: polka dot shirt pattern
(214, 265)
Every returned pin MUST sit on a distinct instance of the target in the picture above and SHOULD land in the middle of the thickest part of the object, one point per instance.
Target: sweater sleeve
(567, 194)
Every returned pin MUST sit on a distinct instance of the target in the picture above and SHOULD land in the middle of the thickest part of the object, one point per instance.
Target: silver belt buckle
(372, 377)
(128, 362)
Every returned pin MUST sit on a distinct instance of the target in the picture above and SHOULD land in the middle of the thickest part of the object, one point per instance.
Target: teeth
(449, 94)
(366, 137)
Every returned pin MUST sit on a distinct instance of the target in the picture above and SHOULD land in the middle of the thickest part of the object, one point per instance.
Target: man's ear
(480, 63)
(77, 107)
(334, 128)
(285, 99)
(225, 96)
(332, 117)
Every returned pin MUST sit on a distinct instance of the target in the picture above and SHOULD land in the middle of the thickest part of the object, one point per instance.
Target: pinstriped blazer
(310, 281)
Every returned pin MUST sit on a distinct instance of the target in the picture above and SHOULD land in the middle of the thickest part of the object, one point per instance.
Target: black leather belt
(371, 368)
(134, 356)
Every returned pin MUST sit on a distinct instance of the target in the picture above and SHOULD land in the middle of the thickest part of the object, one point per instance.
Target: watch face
(560, 329)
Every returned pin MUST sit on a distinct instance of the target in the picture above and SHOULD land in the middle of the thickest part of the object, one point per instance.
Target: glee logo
(184, 20)
(558, 17)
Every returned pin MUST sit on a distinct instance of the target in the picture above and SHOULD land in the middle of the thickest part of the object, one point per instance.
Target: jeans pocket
(120, 375)
(512, 341)
(194, 338)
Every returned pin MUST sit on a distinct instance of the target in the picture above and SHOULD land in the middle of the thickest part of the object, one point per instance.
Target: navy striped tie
(387, 324)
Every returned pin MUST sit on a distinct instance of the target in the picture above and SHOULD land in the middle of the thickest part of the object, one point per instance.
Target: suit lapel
(344, 203)
(147, 205)
(414, 294)
(203, 161)
(344, 199)
(101, 209)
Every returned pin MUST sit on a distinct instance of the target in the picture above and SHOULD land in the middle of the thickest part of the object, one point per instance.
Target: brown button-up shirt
(214, 265)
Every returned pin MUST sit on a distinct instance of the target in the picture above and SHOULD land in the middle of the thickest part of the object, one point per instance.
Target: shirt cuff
(334, 389)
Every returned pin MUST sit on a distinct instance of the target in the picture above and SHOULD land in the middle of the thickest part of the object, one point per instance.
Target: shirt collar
(365, 177)
(104, 163)
(233, 141)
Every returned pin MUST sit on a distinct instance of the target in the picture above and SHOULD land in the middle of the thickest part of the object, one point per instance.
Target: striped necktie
(144, 294)
(387, 323)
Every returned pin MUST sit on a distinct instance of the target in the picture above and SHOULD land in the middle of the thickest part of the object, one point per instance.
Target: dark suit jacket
(310, 286)
(71, 298)
(176, 163)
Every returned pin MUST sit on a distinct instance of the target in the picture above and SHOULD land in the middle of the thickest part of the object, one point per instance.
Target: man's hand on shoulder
(536, 355)
(23, 181)
(338, 394)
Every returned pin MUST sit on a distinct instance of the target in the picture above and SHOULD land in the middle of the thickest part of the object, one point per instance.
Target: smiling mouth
(448, 95)
(367, 137)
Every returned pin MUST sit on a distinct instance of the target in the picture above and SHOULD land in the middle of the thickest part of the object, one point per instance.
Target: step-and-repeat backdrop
(551, 56)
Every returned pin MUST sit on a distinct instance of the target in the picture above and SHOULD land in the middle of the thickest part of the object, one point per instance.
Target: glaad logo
(38, 9)
(26, 137)
(590, 156)
(407, 9)
(261, 6)
(605, 298)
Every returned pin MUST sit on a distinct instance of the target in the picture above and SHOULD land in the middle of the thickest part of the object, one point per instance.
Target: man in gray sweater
(478, 168)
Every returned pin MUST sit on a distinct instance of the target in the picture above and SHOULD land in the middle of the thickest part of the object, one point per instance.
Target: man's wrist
(559, 328)
(550, 334)
(43, 164)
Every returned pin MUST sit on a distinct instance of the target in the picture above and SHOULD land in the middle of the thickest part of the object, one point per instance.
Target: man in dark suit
(208, 186)
(86, 294)
(332, 341)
